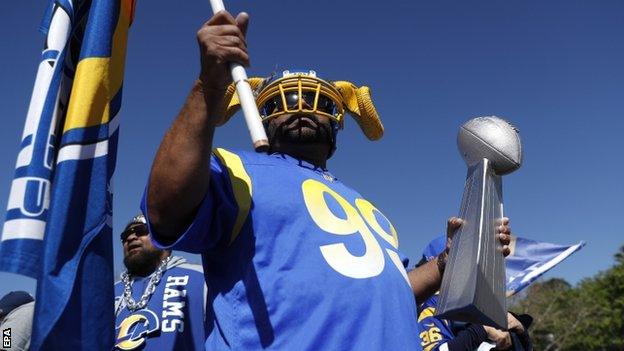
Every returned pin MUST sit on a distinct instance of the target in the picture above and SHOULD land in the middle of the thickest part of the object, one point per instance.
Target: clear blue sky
(553, 68)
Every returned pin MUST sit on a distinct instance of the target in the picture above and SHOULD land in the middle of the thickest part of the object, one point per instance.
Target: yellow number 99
(337, 256)
(372, 262)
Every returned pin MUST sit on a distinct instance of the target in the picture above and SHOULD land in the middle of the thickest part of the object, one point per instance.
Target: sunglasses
(138, 230)
(324, 103)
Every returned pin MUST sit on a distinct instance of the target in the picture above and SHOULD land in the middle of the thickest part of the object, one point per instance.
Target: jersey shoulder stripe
(427, 312)
(241, 187)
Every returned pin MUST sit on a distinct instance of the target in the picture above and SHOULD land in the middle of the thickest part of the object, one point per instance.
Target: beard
(143, 262)
(301, 129)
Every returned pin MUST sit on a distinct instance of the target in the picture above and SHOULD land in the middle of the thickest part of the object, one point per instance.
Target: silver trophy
(473, 286)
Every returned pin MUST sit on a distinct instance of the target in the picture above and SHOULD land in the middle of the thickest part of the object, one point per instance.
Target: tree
(589, 316)
(619, 257)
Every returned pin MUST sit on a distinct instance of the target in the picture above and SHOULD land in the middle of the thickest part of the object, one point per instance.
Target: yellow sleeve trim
(241, 185)
(427, 312)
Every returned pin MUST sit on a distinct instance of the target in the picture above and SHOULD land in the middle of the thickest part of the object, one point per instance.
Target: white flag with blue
(530, 259)
(59, 213)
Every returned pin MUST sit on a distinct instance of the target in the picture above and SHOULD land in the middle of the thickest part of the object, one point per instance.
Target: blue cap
(434, 248)
(13, 300)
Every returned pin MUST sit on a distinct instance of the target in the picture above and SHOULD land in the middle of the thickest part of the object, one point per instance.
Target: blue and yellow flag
(58, 225)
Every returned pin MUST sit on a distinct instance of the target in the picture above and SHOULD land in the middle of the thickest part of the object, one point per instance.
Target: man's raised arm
(180, 173)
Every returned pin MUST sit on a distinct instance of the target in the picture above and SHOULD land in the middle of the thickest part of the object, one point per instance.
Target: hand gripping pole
(246, 97)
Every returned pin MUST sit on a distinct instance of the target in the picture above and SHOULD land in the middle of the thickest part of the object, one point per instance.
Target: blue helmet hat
(434, 248)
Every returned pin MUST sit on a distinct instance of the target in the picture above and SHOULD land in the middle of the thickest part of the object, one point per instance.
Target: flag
(530, 259)
(29, 198)
(59, 215)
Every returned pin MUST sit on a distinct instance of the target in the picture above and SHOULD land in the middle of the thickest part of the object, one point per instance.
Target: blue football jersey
(296, 260)
(173, 319)
(433, 332)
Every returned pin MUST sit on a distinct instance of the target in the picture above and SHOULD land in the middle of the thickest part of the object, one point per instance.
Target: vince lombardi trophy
(473, 286)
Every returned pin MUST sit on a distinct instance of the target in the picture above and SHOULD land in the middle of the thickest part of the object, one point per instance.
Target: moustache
(301, 116)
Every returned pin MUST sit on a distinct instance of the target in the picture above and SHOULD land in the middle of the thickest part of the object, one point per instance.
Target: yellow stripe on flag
(98, 79)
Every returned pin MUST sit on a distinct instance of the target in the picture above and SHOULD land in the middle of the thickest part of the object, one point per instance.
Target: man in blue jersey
(295, 259)
(159, 303)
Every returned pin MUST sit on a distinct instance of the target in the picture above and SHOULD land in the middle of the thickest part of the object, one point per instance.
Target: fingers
(506, 342)
(234, 54)
(223, 30)
(506, 251)
(221, 17)
(504, 235)
(225, 24)
(501, 338)
(231, 41)
(242, 22)
(505, 221)
(503, 231)
(504, 226)
(452, 225)
(504, 239)
(224, 49)
(514, 324)
(222, 40)
(511, 320)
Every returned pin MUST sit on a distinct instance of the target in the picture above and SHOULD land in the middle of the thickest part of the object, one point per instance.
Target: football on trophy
(493, 138)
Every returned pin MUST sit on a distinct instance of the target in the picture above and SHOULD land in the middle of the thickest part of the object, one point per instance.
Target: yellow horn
(231, 103)
(360, 106)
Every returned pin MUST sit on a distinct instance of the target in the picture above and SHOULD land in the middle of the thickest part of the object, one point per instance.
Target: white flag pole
(245, 95)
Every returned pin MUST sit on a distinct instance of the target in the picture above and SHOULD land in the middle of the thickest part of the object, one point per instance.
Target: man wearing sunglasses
(159, 302)
(298, 260)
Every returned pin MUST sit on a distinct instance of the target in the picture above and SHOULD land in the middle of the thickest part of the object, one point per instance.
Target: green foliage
(589, 316)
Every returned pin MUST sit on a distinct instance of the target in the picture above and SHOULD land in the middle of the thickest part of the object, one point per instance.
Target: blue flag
(29, 200)
(58, 224)
(530, 259)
